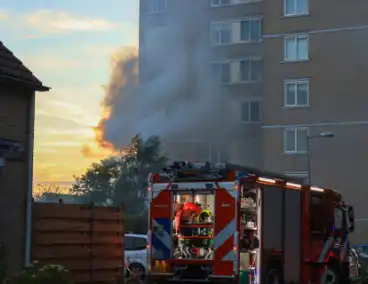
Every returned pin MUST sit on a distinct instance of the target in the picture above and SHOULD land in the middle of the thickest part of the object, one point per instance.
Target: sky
(68, 45)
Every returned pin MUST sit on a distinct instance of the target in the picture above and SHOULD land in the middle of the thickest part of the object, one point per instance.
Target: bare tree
(40, 190)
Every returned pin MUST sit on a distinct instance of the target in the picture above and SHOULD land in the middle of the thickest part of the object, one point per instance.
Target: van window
(135, 243)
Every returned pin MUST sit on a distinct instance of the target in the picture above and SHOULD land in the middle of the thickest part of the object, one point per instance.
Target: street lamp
(308, 138)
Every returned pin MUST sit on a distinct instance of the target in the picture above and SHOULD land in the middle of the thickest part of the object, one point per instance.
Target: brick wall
(14, 124)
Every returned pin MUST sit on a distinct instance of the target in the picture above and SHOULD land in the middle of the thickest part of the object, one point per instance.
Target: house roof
(12, 70)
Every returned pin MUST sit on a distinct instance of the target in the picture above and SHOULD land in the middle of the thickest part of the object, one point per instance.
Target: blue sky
(68, 45)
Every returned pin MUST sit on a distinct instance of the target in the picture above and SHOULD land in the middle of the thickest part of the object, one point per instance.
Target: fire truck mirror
(351, 218)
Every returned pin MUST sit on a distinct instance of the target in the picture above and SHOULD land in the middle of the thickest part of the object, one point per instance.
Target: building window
(222, 71)
(296, 48)
(296, 93)
(295, 140)
(251, 70)
(250, 111)
(219, 3)
(221, 33)
(158, 6)
(296, 7)
(250, 30)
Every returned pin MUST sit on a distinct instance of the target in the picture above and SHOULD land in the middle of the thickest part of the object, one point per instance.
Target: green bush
(41, 274)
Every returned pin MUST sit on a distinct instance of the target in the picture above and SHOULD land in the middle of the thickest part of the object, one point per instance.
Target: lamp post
(308, 138)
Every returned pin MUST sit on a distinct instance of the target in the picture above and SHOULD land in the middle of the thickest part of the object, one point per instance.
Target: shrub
(41, 274)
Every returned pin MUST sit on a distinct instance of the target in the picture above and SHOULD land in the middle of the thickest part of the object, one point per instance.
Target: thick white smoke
(177, 97)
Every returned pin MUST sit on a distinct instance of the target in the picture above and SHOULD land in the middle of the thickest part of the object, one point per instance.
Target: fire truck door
(270, 229)
(161, 224)
(292, 236)
(225, 235)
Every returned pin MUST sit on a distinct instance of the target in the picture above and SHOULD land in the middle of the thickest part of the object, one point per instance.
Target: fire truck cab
(223, 223)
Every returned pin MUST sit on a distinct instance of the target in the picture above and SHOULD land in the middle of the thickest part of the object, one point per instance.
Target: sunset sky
(67, 44)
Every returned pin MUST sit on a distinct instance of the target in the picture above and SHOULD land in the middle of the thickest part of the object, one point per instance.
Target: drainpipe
(28, 233)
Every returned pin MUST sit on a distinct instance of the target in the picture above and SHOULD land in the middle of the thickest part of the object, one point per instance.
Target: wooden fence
(87, 240)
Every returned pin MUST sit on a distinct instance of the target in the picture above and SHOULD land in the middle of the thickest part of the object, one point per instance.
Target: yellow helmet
(205, 214)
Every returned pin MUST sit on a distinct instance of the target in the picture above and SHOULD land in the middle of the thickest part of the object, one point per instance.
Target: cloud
(47, 150)
(67, 106)
(61, 143)
(80, 132)
(4, 16)
(58, 21)
(68, 112)
(42, 63)
(53, 22)
(59, 115)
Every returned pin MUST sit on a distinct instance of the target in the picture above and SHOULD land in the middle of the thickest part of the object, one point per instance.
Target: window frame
(296, 150)
(220, 75)
(249, 59)
(296, 38)
(133, 240)
(237, 77)
(252, 19)
(232, 2)
(217, 27)
(220, 4)
(250, 102)
(295, 13)
(154, 12)
(296, 82)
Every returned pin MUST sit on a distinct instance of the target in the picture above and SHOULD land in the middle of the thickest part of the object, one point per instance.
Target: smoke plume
(172, 95)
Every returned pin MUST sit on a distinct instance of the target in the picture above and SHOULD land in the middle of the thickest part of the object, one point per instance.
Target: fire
(99, 131)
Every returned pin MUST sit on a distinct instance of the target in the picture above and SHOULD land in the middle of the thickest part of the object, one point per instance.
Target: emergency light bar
(187, 172)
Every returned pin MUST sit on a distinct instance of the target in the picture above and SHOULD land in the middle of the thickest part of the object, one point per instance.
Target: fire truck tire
(274, 275)
(335, 275)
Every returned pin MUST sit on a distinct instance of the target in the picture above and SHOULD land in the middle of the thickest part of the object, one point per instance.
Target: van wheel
(274, 276)
(137, 269)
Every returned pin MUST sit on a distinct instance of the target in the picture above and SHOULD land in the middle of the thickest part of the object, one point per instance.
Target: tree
(123, 179)
(97, 183)
(42, 190)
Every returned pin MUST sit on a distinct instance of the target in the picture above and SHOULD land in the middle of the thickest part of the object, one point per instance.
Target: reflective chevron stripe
(325, 250)
(225, 241)
(344, 248)
(161, 234)
(225, 233)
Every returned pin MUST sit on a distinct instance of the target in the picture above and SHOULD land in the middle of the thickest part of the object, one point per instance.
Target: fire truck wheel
(334, 275)
(274, 276)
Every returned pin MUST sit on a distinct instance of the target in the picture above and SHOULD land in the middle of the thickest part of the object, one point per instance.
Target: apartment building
(296, 72)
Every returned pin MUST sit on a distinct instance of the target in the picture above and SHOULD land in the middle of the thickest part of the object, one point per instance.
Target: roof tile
(13, 69)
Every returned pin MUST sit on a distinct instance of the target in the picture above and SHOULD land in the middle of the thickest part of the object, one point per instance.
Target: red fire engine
(252, 227)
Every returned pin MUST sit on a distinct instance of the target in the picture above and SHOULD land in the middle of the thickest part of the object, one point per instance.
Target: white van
(136, 251)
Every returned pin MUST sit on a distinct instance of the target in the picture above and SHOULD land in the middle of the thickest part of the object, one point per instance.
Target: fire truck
(252, 227)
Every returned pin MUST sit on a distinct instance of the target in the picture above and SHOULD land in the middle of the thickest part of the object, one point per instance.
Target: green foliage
(41, 274)
(123, 179)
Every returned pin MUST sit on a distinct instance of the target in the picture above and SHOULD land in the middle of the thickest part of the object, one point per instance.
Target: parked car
(361, 254)
(354, 265)
(136, 252)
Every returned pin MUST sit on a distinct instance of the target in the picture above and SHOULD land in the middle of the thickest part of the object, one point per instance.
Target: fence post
(91, 222)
